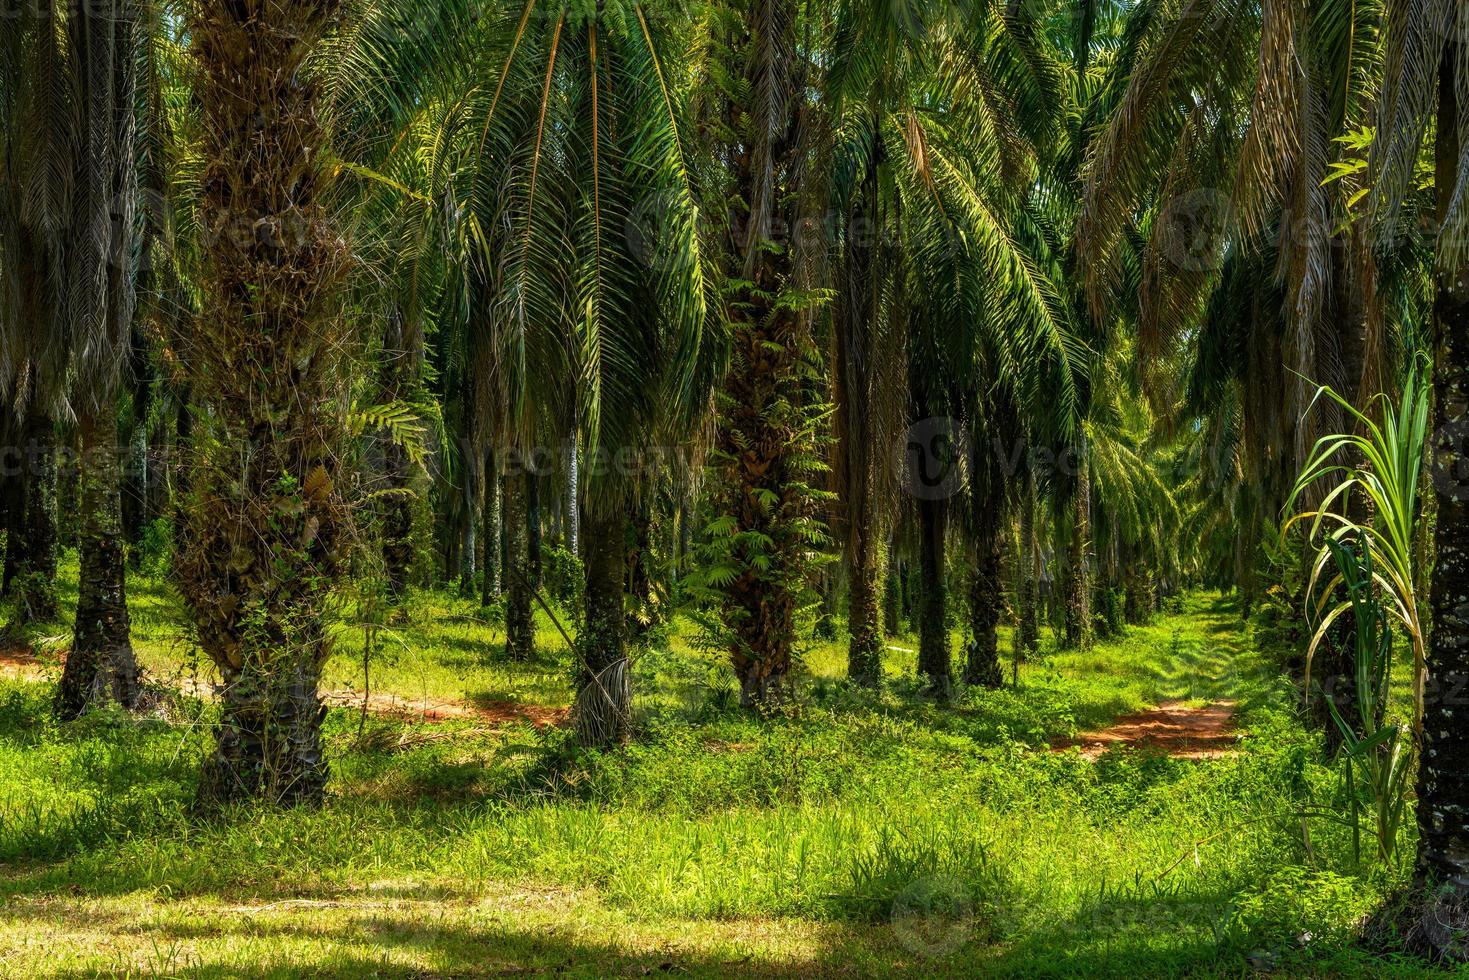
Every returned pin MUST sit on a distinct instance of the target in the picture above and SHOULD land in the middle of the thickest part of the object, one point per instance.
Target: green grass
(864, 834)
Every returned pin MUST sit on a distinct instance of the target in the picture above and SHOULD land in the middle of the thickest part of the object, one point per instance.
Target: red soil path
(20, 663)
(1172, 728)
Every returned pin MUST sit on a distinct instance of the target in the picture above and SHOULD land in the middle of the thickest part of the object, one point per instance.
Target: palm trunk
(35, 583)
(68, 499)
(764, 441)
(1030, 562)
(864, 648)
(640, 565)
(267, 523)
(397, 519)
(1443, 790)
(155, 487)
(399, 375)
(520, 633)
(533, 526)
(1079, 584)
(134, 478)
(490, 532)
(986, 600)
(1138, 602)
(12, 498)
(573, 494)
(892, 597)
(935, 666)
(468, 550)
(863, 371)
(183, 446)
(101, 664)
(603, 709)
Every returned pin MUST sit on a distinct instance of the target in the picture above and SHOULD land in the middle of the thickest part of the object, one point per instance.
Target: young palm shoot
(1377, 756)
(1390, 454)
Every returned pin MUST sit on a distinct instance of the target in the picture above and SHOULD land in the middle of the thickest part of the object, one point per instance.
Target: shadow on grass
(409, 933)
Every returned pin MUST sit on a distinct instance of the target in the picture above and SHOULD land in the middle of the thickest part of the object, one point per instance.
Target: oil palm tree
(38, 179)
(1425, 74)
(1217, 156)
(69, 80)
(628, 292)
(937, 266)
(764, 199)
(574, 236)
(267, 522)
(100, 308)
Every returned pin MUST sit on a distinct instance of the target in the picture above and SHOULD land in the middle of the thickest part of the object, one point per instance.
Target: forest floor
(1175, 728)
(862, 834)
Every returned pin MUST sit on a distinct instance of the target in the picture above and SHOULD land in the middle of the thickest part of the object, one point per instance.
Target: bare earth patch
(19, 663)
(437, 709)
(1173, 728)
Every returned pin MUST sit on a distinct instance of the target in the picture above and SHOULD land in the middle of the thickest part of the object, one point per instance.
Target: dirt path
(1173, 728)
(21, 664)
(432, 709)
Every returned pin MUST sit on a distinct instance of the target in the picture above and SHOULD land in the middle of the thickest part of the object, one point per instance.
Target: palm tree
(1425, 72)
(266, 526)
(69, 82)
(631, 298)
(575, 236)
(38, 177)
(1215, 155)
(763, 541)
(101, 280)
(926, 166)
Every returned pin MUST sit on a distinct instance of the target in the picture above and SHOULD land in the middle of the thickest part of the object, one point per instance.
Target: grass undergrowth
(865, 833)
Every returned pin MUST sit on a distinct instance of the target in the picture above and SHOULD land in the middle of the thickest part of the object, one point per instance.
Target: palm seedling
(1389, 454)
(1376, 752)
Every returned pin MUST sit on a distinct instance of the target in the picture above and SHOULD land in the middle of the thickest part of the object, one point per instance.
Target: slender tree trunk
(268, 524)
(134, 477)
(68, 498)
(397, 519)
(603, 708)
(134, 480)
(398, 373)
(1079, 597)
(183, 447)
(573, 494)
(1138, 601)
(468, 550)
(155, 487)
(533, 526)
(892, 598)
(685, 531)
(12, 497)
(864, 577)
(1030, 570)
(1443, 791)
(100, 664)
(490, 531)
(935, 664)
(35, 585)
(986, 598)
(639, 564)
(520, 633)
